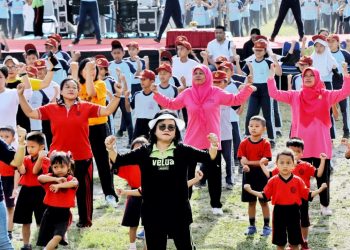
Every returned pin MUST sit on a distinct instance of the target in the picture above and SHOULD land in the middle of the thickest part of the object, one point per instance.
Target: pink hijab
(201, 92)
(313, 101)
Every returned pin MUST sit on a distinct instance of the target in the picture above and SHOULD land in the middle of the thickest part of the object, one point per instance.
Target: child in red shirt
(250, 151)
(286, 192)
(7, 173)
(60, 187)
(31, 195)
(305, 171)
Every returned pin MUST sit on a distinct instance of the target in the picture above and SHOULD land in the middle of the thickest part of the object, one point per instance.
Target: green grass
(223, 232)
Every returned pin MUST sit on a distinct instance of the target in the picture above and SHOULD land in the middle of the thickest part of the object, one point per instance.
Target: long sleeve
(228, 99)
(279, 95)
(130, 158)
(171, 103)
(337, 95)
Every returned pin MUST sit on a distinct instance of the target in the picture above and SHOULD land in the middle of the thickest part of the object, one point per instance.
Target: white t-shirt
(9, 102)
(144, 106)
(232, 89)
(184, 69)
(225, 123)
(28, 16)
(216, 49)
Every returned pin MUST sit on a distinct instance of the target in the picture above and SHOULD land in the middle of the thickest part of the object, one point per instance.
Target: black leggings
(324, 196)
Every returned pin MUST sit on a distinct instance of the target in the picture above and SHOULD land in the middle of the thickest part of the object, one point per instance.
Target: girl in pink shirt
(202, 102)
(311, 119)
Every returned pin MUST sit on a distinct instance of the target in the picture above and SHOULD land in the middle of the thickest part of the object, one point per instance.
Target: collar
(286, 180)
(169, 152)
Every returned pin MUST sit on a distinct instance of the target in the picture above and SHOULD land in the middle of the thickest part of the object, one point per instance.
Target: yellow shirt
(100, 99)
(34, 82)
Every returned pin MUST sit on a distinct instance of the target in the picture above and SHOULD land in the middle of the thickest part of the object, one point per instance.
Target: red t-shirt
(29, 179)
(6, 170)
(286, 192)
(304, 170)
(70, 128)
(254, 151)
(131, 174)
(65, 197)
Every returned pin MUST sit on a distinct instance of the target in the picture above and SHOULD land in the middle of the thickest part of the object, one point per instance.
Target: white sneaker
(132, 247)
(217, 211)
(326, 211)
(110, 201)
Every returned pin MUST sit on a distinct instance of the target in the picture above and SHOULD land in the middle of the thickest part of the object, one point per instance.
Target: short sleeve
(268, 189)
(44, 112)
(310, 170)
(241, 150)
(304, 190)
(35, 83)
(267, 150)
(93, 109)
(45, 165)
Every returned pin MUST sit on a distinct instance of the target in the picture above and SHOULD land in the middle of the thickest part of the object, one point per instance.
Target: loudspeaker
(147, 20)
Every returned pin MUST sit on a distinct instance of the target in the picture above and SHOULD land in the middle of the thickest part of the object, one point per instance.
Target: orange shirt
(100, 98)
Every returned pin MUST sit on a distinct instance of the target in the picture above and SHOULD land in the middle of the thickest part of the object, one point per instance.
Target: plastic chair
(50, 23)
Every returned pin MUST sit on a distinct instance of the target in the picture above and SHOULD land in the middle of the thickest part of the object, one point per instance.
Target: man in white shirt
(220, 46)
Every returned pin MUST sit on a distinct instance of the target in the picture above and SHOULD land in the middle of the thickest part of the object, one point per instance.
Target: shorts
(257, 180)
(304, 214)
(7, 184)
(30, 199)
(55, 222)
(132, 212)
(286, 221)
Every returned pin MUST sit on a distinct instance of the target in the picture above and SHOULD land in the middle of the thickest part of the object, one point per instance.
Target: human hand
(323, 186)
(42, 154)
(118, 89)
(120, 191)
(272, 70)
(345, 69)
(22, 68)
(20, 89)
(21, 133)
(323, 156)
(154, 88)
(14, 193)
(246, 168)
(198, 175)
(110, 141)
(204, 54)
(127, 94)
(247, 187)
(213, 139)
(264, 161)
(183, 81)
(54, 188)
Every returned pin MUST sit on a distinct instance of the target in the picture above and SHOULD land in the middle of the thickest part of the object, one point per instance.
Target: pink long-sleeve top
(316, 136)
(197, 130)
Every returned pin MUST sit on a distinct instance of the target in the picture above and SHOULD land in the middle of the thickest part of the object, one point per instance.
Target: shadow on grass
(319, 238)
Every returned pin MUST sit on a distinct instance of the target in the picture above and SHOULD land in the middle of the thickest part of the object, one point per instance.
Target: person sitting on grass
(286, 192)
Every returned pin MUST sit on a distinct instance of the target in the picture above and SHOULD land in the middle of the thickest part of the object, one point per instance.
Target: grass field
(227, 231)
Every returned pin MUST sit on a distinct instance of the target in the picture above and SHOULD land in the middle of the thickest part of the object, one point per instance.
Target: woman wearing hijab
(311, 119)
(202, 102)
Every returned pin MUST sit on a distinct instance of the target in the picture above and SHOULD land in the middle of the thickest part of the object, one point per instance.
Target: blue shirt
(125, 68)
(16, 7)
(200, 15)
(234, 10)
(261, 70)
(297, 82)
(4, 11)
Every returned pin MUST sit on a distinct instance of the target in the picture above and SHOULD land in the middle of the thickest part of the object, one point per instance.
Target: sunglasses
(170, 127)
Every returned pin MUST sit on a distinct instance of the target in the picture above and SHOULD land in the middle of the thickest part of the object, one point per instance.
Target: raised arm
(21, 150)
(27, 109)
(279, 95)
(112, 106)
(39, 162)
(89, 81)
(170, 103)
(337, 95)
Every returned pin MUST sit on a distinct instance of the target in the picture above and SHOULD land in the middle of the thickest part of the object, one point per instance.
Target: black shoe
(119, 133)
(273, 144)
(28, 247)
(156, 40)
(9, 233)
(278, 134)
(82, 225)
(75, 41)
(99, 41)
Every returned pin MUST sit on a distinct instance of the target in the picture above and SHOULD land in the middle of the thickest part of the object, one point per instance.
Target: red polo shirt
(29, 179)
(70, 128)
(254, 151)
(131, 174)
(6, 170)
(65, 197)
(286, 192)
(304, 170)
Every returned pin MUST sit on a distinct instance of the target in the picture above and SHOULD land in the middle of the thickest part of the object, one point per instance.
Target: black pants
(285, 6)
(344, 111)
(4, 26)
(255, 18)
(89, 9)
(236, 138)
(83, 172)
(334, 23)
(126, 120)
(141, 128)
(310, 27)
(172, 9)
(212, 173)
(277, 116)
(261, 99)
(38, 21)
(156, 237)
(324, 196)
(47, 131)
(97, 136)
(17, 23)
(235, 29)
(245, 21)
(326, 21)
(226, 151)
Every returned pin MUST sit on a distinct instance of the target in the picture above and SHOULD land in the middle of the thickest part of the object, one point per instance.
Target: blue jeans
(5, 243)
(89, 9)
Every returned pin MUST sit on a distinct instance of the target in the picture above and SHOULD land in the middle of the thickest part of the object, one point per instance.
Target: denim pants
(5, 243)
(89, 9)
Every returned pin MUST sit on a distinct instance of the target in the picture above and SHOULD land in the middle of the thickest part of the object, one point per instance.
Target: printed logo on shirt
(163, 164)
(301, 171)
(293, 190)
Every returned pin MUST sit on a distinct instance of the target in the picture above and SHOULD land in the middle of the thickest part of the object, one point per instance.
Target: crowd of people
(67, 104)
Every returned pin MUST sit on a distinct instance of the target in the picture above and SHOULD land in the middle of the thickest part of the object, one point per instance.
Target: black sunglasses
(163, 127)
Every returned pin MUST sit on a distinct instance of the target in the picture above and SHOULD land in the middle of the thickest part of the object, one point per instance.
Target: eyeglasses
(163, 127)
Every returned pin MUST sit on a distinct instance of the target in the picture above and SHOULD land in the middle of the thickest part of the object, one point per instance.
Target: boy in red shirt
(286, 192)
(60, 187)
(7, 173)
(31, 195)
(250, 152)
(305, 171)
